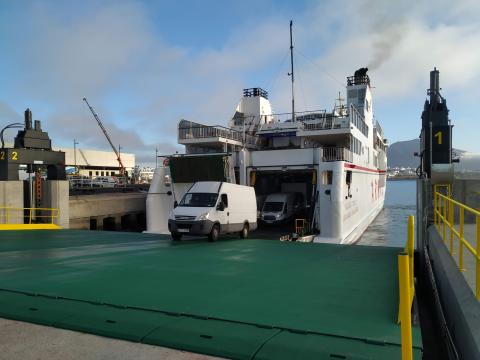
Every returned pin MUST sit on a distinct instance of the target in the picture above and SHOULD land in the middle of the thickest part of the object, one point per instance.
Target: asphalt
(21, 340)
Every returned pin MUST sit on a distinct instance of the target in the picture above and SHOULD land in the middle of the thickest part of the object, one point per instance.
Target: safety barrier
(444, 217)
(27, 216)
(407, 291)
(301, 227)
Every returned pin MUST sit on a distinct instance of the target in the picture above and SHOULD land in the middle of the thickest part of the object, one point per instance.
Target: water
(390, 226)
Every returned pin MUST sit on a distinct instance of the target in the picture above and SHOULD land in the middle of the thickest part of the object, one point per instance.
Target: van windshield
(199, 200)
(273, 206)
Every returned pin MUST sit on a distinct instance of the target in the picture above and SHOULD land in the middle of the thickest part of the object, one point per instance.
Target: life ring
(166, 161)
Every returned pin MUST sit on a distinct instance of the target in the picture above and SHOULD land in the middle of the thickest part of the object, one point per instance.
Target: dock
(239, 299)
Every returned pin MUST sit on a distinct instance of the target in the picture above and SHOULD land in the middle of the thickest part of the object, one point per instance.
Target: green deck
(238, 299)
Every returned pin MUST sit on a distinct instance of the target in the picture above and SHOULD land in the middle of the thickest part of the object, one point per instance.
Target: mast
(291, 71)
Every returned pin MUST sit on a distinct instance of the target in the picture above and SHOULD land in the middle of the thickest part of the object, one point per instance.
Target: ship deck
(240, 299)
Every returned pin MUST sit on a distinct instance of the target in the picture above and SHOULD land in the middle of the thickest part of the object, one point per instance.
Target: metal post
(444, 202)
(119, 148)
(410, 250)
(435, 219)
(460, 245)
(156, 158)
(405, 315)
(75, 143)
(477, 277)
(450, 220)
(291, 72)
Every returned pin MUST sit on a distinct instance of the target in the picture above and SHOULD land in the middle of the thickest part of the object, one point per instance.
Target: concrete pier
(11, 195)
(115, 211)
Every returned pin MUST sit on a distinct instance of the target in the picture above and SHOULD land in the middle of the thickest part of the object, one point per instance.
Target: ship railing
(406, 285)
(13, 215)
(336, 154)
(300, 116)
(215, 131)
(358, 80)
(379, 128)
(445, 209)
(357, 119)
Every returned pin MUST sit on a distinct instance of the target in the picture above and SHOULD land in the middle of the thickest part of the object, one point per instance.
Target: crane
(117, 153)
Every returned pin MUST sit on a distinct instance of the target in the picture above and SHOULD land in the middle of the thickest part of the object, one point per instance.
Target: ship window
(327, 177)
(112, 173)
(348, 178)
(96, 173)
(90, 173)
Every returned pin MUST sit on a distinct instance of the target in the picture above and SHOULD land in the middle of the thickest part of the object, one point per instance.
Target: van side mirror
(175, 204)
(220, 206)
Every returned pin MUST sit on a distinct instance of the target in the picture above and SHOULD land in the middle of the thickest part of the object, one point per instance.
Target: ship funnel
(28, 119)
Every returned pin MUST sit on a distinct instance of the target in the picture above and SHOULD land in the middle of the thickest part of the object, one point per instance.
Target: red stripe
(352, 166)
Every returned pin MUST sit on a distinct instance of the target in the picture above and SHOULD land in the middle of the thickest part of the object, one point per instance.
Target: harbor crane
(115, 150)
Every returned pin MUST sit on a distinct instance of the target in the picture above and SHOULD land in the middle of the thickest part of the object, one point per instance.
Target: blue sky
(146, 64)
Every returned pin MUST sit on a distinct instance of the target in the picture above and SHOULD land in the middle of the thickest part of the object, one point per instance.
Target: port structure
(115, 150)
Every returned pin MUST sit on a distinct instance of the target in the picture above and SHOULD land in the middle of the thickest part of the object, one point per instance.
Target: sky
(144, 65)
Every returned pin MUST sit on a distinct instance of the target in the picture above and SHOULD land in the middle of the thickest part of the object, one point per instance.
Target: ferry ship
(336, 160)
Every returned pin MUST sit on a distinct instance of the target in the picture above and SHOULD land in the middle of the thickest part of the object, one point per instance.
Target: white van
(105, 181)
(281, 207)
(213, 208)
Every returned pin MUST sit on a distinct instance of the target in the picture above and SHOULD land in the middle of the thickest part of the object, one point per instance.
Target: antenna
(291, 71)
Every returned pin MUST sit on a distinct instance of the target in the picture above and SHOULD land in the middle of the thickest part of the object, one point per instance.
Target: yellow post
(460, 245)
(477, 277)
(411, 250)
(405, 315)
(444, 201)
(435, 219)
(450, 220)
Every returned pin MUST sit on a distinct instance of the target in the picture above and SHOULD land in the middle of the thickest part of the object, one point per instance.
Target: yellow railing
(10, 215)
(444, 217)
(406, 286)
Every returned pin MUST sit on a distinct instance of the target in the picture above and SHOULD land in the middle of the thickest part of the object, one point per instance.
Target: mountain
(400, 154)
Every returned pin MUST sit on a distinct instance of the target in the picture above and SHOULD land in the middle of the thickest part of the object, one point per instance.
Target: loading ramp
(240, 299)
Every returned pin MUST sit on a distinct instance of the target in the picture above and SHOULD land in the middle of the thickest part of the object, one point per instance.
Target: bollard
(405, 309)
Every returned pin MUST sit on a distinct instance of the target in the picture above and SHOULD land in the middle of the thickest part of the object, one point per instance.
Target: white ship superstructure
(337, 160)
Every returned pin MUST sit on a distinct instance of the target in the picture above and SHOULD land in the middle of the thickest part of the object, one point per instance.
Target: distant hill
(400, 154)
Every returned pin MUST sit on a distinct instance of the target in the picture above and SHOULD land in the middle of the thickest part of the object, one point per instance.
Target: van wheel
(214, 233)
(177, 236)
(244, 232)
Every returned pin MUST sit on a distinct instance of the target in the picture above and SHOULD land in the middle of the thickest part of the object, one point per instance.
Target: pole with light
(75, 143)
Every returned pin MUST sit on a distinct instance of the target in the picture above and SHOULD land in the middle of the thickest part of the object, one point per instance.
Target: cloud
(141, 84)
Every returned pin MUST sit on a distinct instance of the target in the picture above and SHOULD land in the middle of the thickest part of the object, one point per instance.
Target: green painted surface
(234, 298)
